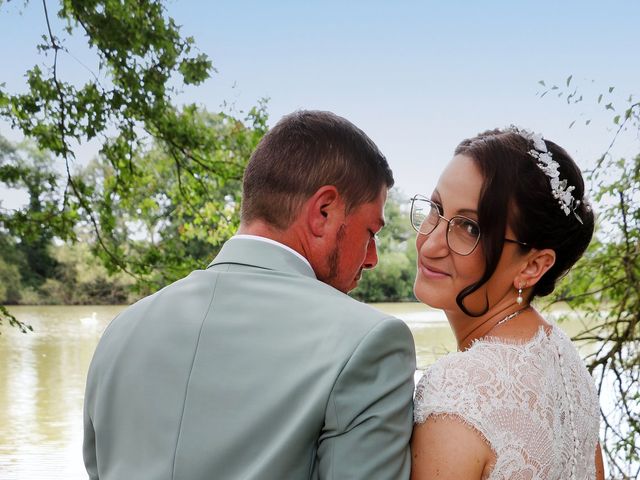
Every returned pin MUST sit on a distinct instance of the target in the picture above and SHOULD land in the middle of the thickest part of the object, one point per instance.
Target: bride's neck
(467, 329)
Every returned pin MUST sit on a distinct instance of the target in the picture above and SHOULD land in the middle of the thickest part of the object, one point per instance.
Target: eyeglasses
(463, 234)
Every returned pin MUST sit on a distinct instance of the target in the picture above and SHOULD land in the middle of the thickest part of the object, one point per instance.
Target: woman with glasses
(507, 219)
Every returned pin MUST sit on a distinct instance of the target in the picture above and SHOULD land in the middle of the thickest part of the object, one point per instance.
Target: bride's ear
(538, 263)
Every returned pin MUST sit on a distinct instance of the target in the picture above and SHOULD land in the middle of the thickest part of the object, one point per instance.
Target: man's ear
(538, 263)
(325, 211)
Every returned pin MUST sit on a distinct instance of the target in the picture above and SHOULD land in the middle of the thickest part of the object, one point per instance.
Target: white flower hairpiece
(560, 190)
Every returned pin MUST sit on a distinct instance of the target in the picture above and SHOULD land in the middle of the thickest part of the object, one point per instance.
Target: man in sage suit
(261, 367)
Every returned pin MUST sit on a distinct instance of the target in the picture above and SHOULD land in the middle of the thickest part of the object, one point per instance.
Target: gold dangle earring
(519, 298)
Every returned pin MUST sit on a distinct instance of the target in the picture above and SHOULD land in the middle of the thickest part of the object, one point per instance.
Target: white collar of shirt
(273, 242)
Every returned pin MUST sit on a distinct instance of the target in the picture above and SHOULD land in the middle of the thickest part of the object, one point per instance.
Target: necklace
(507, 318)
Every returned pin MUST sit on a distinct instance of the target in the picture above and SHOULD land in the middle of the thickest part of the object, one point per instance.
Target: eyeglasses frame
(424, 198)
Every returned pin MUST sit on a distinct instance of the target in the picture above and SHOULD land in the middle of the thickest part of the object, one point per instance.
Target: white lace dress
(534, 403)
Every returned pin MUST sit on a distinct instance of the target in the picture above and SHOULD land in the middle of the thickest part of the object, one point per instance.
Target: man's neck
(260, 228)
(287, 237)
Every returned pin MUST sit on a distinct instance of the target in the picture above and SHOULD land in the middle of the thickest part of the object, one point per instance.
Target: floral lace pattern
(534, 403)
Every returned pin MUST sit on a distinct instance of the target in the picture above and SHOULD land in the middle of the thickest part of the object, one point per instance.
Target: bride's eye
(466, 227)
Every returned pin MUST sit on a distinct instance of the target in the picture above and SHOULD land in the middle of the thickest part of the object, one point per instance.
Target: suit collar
(257, 253)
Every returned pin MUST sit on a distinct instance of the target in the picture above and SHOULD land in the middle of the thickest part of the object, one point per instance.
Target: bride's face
(442, 274)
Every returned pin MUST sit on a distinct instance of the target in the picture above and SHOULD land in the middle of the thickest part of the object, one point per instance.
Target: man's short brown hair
(304, 151)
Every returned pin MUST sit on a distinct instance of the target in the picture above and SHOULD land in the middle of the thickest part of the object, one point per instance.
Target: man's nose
(371, 259)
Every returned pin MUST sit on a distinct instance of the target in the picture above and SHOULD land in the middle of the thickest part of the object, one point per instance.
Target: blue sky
(418, 77)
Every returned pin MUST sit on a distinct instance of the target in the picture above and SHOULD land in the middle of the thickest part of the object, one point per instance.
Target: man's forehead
(373, 212)
(378, 209)
(375, 216)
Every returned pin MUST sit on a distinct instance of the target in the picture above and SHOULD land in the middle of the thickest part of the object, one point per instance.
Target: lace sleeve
(449, 387)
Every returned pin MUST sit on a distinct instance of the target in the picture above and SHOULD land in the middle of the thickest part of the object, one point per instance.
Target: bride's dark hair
(516, 192)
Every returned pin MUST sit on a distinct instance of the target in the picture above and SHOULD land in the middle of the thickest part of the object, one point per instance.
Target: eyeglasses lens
(463, 234)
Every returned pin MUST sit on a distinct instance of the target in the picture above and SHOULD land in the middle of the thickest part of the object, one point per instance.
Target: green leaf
(13, 321)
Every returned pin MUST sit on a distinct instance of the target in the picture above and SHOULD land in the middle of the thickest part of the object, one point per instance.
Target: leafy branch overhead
(139, 50)
(621, 117)
(143, 60)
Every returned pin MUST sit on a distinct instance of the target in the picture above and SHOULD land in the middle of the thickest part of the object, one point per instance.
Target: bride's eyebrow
(468, 211)
(435, 196)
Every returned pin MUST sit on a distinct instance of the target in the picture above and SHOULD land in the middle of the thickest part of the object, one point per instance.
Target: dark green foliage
(160, 231)
(26, 234)
(392, 280)
(167, 223)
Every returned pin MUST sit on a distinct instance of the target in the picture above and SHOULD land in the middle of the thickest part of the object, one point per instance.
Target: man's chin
(344, 288)
(354, 284)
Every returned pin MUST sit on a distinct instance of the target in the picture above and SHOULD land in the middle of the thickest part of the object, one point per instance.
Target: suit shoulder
(346, 316)
(325, 293)
(333, 299)
(190, 294)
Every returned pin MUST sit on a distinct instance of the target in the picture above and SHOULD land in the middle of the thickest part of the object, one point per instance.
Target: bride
(507, 219)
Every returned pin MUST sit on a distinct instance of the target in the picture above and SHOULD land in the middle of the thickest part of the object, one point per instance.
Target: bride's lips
(432, 272)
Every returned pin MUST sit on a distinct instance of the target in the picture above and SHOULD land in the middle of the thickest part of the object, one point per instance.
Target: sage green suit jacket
(251, 369)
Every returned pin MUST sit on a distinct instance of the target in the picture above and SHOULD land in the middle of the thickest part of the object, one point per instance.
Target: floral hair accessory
(560, 190)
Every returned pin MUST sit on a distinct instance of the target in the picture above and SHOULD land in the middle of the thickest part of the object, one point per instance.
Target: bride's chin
(428, 296)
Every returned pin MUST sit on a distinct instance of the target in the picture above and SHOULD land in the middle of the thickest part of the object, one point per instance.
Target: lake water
(42, 377)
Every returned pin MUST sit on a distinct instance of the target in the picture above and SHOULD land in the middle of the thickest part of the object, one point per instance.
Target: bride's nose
(434, 244)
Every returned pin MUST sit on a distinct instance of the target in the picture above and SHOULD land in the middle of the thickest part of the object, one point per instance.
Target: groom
(260, 367)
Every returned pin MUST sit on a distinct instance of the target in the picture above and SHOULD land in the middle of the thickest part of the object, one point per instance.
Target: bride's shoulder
(458, 379)
(458, 374)
(450, 385)
(482, 355)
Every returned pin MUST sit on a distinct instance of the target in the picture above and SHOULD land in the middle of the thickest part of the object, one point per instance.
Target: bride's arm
(444, 447)
(599, 464)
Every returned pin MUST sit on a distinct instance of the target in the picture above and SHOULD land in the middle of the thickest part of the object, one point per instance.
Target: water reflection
(42, 378)
(430, 329)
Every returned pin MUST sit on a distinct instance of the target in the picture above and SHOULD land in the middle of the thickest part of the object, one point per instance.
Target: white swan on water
(92, 320)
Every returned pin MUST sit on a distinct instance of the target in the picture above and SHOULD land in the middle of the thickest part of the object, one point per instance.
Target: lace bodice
(534, 403)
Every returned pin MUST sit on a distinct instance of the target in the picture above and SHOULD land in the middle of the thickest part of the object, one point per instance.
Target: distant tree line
(157, 237)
